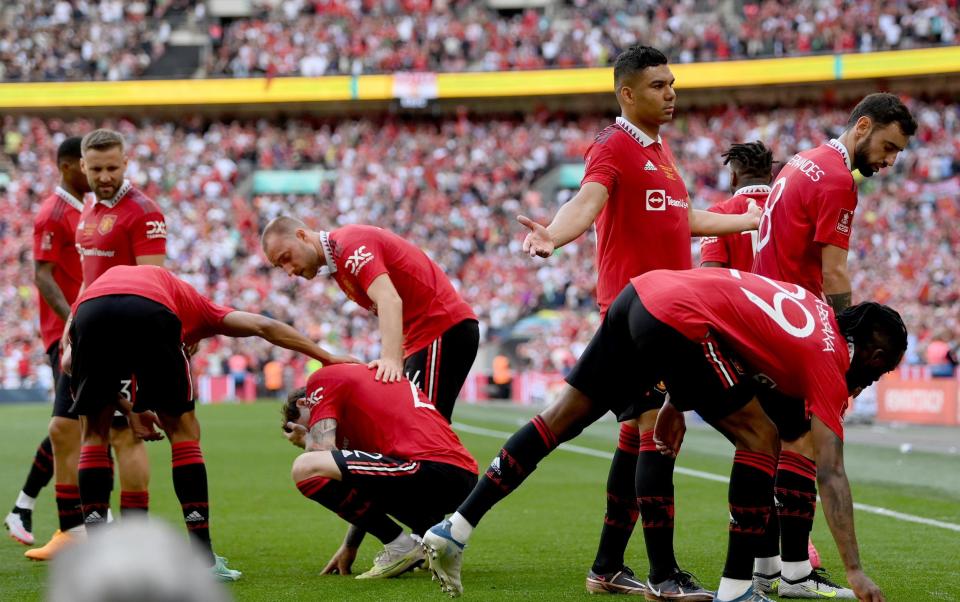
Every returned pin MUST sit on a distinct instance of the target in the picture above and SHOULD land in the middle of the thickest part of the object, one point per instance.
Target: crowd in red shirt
(454, 186)
(112, 39)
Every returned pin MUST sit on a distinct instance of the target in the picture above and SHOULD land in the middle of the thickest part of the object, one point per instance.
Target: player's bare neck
(74, 193)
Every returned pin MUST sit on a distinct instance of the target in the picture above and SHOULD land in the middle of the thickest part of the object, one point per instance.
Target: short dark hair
(635, 59)
(69, 149)
(884, 108)
(864, 321)
(751, 160)
(290, 411)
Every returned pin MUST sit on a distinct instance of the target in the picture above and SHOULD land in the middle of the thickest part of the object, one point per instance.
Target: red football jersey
(200, 317)
(734, 250)
(358, 254)
(54, 229)
(645, 223)
(788, 337)
(811, 205)
(393, 419)
(117, 231)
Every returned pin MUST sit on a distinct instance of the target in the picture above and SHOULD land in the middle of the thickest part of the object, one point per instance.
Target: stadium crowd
(454, 187)
(110, 39)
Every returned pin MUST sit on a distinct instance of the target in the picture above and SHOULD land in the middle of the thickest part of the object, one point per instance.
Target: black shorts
(62, 401)
(130, 346)
(633, 351)
(788, 413)
(441, 368)
(416, 493)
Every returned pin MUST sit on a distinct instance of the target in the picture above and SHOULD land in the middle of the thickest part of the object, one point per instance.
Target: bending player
(400, 447)
(705, 333)
(129, 335)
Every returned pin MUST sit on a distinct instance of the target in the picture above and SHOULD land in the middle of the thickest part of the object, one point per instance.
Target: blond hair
(102, 140)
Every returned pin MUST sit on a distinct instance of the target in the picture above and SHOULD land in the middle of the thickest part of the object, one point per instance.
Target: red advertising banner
(917, 401)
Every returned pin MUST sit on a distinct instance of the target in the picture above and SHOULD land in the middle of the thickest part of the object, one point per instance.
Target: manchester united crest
(106, 223)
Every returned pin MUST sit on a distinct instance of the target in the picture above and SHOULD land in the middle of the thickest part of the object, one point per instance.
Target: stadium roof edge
(442, 86)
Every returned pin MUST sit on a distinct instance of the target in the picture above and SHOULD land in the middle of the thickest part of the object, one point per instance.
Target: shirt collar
(331, 267)
(840, 148)
(124, 189)
(69, 198)
(636, 133)
(754, 189)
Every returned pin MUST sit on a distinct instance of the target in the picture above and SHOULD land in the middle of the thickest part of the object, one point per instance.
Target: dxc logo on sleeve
(358, 259)
(156, 229)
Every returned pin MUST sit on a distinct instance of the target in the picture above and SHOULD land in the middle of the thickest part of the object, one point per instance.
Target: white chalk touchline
(709, 476)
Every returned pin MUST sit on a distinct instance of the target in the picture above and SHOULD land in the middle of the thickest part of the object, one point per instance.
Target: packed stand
(325, 37)
(454, 187)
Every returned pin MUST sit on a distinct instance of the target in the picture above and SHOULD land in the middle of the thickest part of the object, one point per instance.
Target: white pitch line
(709, 476)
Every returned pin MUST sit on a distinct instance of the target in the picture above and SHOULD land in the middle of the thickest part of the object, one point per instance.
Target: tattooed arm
(838, 508)
(322, 436)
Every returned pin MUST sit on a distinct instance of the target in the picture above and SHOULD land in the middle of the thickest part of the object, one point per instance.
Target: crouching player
(374, 451)
(706, 333)
(129, 336)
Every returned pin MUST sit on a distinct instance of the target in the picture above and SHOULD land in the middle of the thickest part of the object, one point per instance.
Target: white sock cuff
(460, 528)
(25, 501)
(796, 570)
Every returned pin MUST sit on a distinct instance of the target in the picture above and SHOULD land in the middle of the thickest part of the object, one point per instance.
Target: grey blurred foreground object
(136, 561)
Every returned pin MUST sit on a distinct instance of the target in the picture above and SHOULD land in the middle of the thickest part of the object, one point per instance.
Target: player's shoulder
(731, 206)
(50, 208)
(609, 136)
(141, 203)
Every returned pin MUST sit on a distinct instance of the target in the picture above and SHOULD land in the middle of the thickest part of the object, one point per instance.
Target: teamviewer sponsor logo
(656, 200)
(358, 259)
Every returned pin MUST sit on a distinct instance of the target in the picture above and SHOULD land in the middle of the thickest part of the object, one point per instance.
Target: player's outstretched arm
(708, 223)
(390, 317)
(572, 220)
(245, 324)
(342, 560)
(838, 508)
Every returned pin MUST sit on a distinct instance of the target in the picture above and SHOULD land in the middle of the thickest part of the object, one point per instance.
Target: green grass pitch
(536, 545)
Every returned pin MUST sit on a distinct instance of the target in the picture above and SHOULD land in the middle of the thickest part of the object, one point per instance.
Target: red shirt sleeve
(364, 258)
(47, 236)
(326, 397)
(827, 399)
(835, 215)
(148, 234)
(601, 166)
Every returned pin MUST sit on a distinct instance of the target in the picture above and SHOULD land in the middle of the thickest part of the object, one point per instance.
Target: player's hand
(192, 349)
(388, 370)
(864, 587)
(669, 431)
(66, 360)
(296, 434)
(538, 242)
(343, 359)
(341, 562)
(753, 215)
(143, 424)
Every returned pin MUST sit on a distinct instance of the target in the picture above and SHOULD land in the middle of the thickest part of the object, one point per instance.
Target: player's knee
(303, 468)
(64, 432)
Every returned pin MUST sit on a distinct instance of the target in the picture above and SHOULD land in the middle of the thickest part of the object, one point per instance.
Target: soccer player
(57, 277)
(713, 336)
(130, 332)
(803, 238)
(426, 329)
(751, 171)
(633, 191)
(402, 459)
(123, 227)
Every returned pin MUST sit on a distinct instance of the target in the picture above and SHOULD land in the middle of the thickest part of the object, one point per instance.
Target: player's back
(811, 204)
(54, 241)
(737, 250)
(395, 419)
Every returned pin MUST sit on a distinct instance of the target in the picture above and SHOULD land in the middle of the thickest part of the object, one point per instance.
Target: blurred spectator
(940, 357)
(135, 561)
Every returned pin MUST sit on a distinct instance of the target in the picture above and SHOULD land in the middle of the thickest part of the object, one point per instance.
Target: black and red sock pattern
(350, 505)
(751, 481)
(134, 503)
(796, 493)
(190, 485)
(622, 509)
(69, 512)
(654, 483)
(518, 457)
(41, 471)
(95, 477)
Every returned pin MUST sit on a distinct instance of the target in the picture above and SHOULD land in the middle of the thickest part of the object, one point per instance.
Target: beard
(861, 159)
